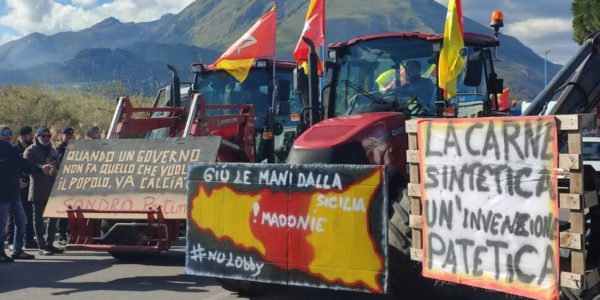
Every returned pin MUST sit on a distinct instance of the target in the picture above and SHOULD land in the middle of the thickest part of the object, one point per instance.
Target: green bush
(38, 105)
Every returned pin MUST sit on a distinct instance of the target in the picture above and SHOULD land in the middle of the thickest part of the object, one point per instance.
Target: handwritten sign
(309, 225)
(489, 196)
(133, 174)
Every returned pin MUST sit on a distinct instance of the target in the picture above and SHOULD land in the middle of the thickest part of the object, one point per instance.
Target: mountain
(519, 65)
(210, 26)
(140, 67)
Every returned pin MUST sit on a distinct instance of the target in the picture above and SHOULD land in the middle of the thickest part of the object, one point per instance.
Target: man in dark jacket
(24, 140)
(12, 164)
(42, 153)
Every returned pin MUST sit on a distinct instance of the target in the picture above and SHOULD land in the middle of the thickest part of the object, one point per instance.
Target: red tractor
(375, 83)
(366, 102)
(367, 98)
(253, 120)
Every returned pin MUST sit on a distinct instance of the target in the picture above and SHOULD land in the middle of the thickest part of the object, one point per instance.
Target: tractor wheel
(126, 236)
(589, 294)
(399, 231)
(592, 182)
(241, 287)
(404, 273)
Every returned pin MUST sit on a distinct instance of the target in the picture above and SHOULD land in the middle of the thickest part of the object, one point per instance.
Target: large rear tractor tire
(399, 231)
(404, 273)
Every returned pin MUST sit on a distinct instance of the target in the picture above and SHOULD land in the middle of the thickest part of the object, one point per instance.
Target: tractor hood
(337, 131)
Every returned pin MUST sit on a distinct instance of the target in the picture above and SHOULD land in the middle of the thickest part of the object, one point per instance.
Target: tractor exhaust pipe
(175, 87)
(313, 83)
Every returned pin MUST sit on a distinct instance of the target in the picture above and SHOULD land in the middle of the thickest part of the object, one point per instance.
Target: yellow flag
(451, 62)
(238, 68)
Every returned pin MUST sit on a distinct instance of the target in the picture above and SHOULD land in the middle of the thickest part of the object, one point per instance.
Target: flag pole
(271, 120)
(322, 77)
(275, 88)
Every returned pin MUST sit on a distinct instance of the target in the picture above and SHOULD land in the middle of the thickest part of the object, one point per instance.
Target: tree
(586, 18)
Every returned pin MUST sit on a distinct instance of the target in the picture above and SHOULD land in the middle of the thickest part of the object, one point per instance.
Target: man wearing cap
(24, 140)
(93, 133)
(42, 153)
(67, 134)
(12, 164)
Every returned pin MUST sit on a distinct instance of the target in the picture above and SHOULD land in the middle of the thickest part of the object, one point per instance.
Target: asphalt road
(96, 275)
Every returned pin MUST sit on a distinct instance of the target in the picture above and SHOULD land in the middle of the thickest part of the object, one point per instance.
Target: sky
(542, 25)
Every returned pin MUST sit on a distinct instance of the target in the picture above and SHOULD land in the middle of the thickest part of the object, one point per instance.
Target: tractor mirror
(283, 90)
(473, 69)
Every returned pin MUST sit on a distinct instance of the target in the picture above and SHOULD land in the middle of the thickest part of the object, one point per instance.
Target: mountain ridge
(212, 25)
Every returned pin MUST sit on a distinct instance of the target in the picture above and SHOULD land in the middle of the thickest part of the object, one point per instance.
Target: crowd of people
(29, 163)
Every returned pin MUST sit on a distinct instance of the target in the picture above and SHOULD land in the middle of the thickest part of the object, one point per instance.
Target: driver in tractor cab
(414, 85)
(251, 94)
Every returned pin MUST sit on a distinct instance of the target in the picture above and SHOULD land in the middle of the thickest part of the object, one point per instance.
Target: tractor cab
(218, 87)
(376, 82)
(398, 72)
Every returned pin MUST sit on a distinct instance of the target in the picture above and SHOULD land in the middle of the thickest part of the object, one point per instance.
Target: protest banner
(128, 174)
(306, 225)
(488, 189)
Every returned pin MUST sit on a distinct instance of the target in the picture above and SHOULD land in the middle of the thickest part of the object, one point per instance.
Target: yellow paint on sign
(225, 213)
(345, 250)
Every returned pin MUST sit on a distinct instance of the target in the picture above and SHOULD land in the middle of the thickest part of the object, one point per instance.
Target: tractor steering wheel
(404, 102)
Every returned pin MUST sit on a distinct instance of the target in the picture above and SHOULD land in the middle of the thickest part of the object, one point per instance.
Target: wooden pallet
(573, 272)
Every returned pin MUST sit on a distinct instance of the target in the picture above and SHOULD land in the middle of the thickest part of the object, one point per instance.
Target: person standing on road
(24, 140)
(12, 166)
(42, 153)
(67, 134)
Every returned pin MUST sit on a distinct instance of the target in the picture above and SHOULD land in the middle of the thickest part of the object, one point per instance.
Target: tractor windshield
(219, 87)
(389, 74)
(395, 74)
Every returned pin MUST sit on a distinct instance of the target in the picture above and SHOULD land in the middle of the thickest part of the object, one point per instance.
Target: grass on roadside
(38, 105)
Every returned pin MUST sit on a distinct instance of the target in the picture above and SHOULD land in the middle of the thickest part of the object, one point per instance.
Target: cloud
(539, 28)
(84, 3)
(51, 16)
(539, 24)
(24, 13)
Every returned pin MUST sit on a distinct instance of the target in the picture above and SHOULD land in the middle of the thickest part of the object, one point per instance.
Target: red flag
(259, 41)
(314, 29)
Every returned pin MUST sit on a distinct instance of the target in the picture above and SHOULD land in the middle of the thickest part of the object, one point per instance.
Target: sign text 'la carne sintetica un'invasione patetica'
(489, 198)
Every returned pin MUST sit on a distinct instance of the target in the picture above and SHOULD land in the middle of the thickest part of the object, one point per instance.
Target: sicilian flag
(451, 62)
(314, 29)
(258, 42)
